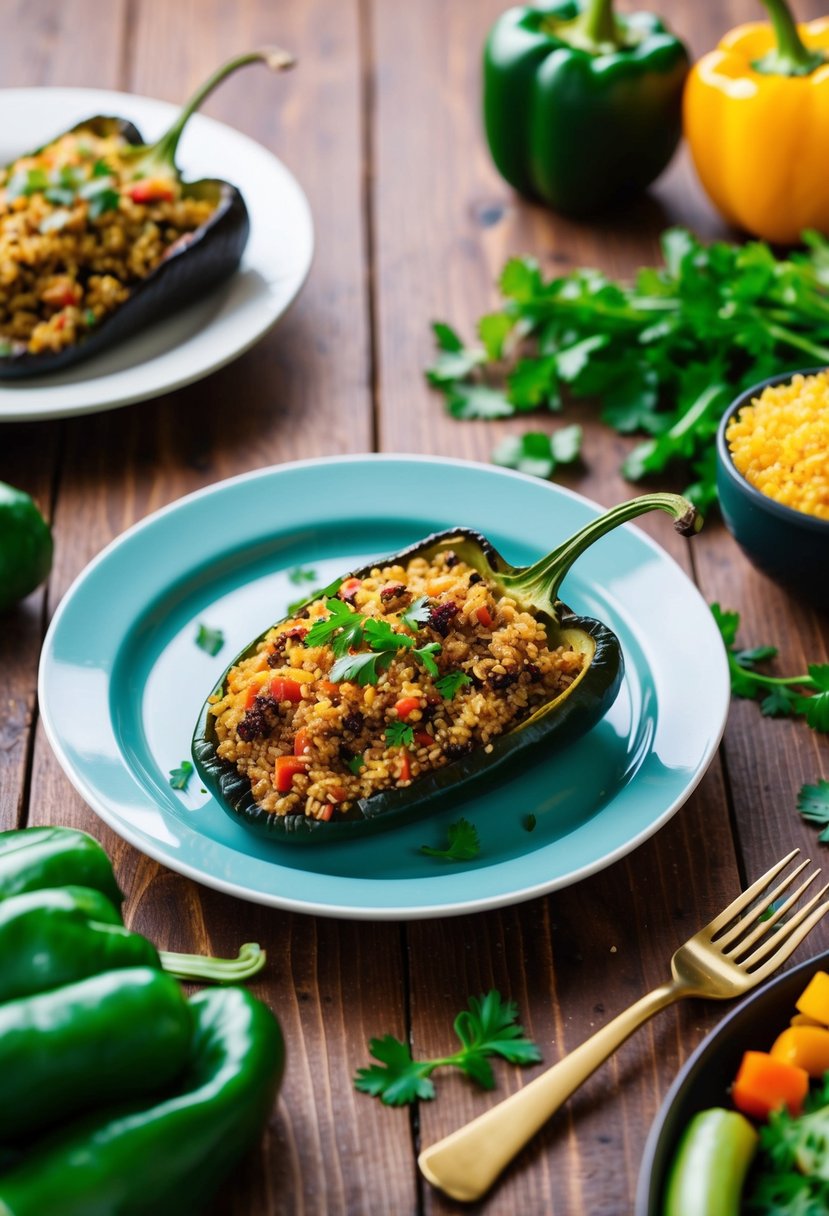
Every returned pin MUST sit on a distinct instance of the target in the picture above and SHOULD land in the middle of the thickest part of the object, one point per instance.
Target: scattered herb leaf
(463, 843)
(356, 763)
(528, 823)
(489, 1027)
(302, 574)
(781, 695)
(449, 684)
(417, 613)
(537, 453)
(179, 777)
(210, 640)
(813, 804)
(399, 734)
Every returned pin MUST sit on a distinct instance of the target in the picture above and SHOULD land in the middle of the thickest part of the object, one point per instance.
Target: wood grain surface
(380, 123)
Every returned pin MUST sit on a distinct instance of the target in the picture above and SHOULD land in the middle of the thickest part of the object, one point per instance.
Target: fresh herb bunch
(790, 1175)
(664, 354)
(487, 1028)
(346, 630)
(805, 695)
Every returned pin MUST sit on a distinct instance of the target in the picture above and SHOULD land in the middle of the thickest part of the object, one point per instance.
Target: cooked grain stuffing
(400, 673)
(76, 236)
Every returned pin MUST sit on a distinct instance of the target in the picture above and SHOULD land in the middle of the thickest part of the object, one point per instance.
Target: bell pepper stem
(543, 579)
(161, 155)
(790, 56)
(595, 30)
(251, 959)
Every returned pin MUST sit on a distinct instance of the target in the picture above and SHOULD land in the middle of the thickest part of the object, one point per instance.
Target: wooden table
(380, 124)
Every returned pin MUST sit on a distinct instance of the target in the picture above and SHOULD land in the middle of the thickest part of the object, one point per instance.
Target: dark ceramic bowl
(789, 546)
(703, 1082)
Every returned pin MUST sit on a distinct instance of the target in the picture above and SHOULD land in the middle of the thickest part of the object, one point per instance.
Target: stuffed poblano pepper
(410, 682)
(582, 107)
(99, 236)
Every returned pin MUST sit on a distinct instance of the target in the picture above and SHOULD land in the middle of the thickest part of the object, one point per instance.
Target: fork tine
(744, 945)
(748, 897)
(790, 944)
(784, 931)
(755, 913)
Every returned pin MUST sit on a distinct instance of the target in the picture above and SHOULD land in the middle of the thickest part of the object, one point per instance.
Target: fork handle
(466, 1163)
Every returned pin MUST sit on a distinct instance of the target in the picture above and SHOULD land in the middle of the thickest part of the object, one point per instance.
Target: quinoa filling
(315, 727)
(77, 233)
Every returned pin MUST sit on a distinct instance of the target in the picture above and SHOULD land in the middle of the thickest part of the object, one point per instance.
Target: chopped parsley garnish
(489, 1027)
(302, 574)
(179, 777)
(399, 734)
(106, 200)
(89, 318)
(210, 640)
(449, 684)
(813, 804)
(356, 764)
(463, 843)
(781, 695)
(346, 630)
(417, 613)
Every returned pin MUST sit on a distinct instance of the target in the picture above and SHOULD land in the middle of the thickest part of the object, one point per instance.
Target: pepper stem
(596, 29)
(538, 584)
(161, 155)
(791, 57)
(250, 960)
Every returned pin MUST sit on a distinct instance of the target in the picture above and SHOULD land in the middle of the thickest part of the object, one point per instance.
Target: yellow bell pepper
(814, 1000)
(756, 117)
(804, 1046)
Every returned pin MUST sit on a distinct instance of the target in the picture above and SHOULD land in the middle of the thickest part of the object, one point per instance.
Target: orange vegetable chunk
(764, 1084)
(814, 1000)
(805, 1046)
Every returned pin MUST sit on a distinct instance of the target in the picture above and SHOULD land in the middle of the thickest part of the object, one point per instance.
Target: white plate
(209, 333)
(122, 684)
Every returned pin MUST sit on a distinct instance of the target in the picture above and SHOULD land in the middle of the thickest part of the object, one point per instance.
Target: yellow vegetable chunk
(814, 1001)
(806, 1047)
(801, 1019)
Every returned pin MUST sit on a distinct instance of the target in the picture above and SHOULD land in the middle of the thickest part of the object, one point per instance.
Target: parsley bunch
(790, 1177)
(781, 695)
(663, 355)
(487, 1028)
(346, 630)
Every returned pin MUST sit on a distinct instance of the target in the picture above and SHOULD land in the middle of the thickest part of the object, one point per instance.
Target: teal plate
(122, 682)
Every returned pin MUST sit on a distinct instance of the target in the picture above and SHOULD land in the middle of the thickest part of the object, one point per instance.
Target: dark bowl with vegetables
(790, 546)
(703, 1082)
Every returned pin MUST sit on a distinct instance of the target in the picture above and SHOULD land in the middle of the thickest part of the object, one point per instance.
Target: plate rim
(152, 848)
(23, 412)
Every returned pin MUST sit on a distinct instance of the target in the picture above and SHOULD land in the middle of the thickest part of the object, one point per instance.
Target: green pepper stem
(596, 29)
(250, 960)
(538, 584)
(162, 154)
(790, 57)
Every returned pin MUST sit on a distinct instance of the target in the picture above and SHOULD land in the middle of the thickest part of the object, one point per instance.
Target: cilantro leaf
(426, 655)
(210, 640)
(356, 764)
(399, 734)
(417, 613)
(463, 843)
(302, 574)
(449, 684)
(494, 329)
(180, 777)
(341, 629)
(488, 1027)
(813, 804)
(537, 453)
(477, 401)
(362, 669)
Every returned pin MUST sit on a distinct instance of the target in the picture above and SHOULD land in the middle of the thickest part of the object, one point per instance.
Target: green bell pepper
(582, 108)
(34, 858)
(554, 724)
(167, 1158)
(57, 936)
(25, 546)
(113, 1037)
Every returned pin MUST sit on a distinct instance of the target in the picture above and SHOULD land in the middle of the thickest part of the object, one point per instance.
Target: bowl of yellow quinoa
(773, 479)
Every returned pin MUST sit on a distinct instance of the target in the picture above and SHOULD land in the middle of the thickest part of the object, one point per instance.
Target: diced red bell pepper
(285, 769)
(405, 773)
(302, 743)
(150, 190)
(485, 616)
(327, 812)
(283, 689)
(423, 739)
(406, 706)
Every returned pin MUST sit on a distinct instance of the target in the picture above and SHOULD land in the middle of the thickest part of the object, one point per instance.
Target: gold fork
(466, 1163)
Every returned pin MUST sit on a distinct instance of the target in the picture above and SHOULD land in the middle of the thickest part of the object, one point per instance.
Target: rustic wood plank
(304, 391)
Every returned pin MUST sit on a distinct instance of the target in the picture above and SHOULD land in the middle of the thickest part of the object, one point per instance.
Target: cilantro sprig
(462, 843)
(489, 1027)
(346, 631)
(813, 804)
(663, 355)
(210, 640)
(399, 734)
(450, 684)
(180, 777)
(806, 695)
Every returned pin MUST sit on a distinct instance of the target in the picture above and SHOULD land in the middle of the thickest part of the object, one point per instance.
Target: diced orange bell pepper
(302, 742)
(283, 689)
(406, 706)
(764, 1084)
(484, 616)
(285, 769)
(805, 1046)
(814, 1000)
(405, 773)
